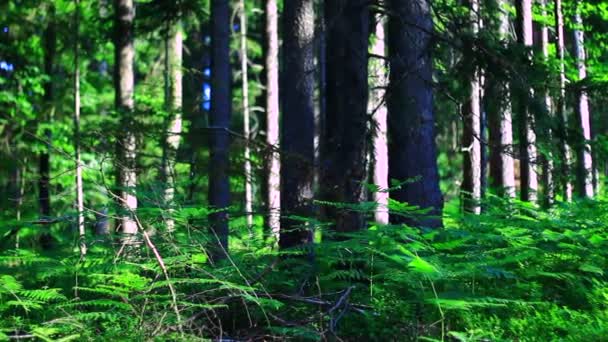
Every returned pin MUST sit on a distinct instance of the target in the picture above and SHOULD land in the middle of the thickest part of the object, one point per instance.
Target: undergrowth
(513, 273)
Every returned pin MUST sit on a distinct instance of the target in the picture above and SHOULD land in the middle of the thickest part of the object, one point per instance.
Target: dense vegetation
(386, 170)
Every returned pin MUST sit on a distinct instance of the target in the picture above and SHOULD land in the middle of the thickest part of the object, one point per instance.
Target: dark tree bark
(124, 84)
(412, 150)
(297, 132)
(219, 121)
(566, 154)
(527, 136)
(50, 47)
(344, 147)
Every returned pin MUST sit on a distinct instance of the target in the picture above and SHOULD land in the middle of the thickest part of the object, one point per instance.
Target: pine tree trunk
(566, 154)
(527, 136)
(584, 158)
(272, 119)
(125, 85)
(412, 150)
(548, 164)
(471, 139)
(173, 80)
(219, 120)
(246, 129)
(50, 47)
(345, 139)
(297, 131)
(79, 188)
(378, 70)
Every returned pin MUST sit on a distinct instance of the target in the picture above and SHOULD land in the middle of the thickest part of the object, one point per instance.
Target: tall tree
(246, 129)
(344, 147)
(548, 164)
(498, 106)
(584, 157)
(79, 190)
(297, 132)
(173, 98)
(124, 85)
(471, 139)
(272, 118)
(377, 107)
(412, 151)
(50, 47)
(527, 136)
(566, 154)
(219, 121)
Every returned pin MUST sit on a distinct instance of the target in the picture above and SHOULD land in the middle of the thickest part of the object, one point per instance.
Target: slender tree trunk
(79, 190)
(566, 154)
(297, 131)
(50, 47)
(548, 164)
(344, 149)
(125, 85)
(173, 80)
(584, 158)
(246, 129)
(377, 107)
(219, 120)
(471, 139)
(412, 150)
(272, 118)
(527, 140)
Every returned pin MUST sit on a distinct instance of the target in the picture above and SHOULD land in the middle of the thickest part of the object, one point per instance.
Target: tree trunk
(344, 146)
(50, 47)
(272, 119)
(412, 150)
(378, 70)
(566, 154)
(124, 86)
(527, 136)
(584, 159)
(79, 190)
(173, 80)
(246, 130)
(471, 139)
(219, 120)
(548, 164)
(298, 122)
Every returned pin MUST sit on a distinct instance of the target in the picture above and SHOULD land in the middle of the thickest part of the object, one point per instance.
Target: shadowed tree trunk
(124, 86)
(246, 129)
(272, 118)
(527, 136)
(566, 154)
(344, 147)
(219, 121)
(50, 47)
(378, 70)
(412, 151)
(79, 190)
(471, 139)
(173, 98)
(498, 106)
(297, 131)
(584, 157)
(548, 164)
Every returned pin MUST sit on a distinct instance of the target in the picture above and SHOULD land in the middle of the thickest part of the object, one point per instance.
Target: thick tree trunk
(173, 80)
(344, 147)
(566, 154)
(272, 119)
(298, 122)
(79, 190)
(378, 70)
(584, 158)
(124, 85)
(471, 139)
(527, 136)
(219, 120)
(246, 129)
(412, 150)
(548, 164)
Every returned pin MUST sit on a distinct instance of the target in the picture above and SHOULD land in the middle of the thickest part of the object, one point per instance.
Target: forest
(326, 170)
